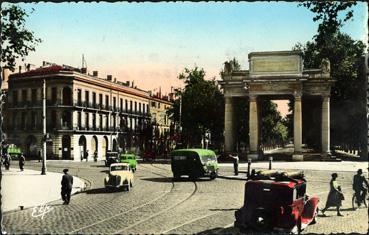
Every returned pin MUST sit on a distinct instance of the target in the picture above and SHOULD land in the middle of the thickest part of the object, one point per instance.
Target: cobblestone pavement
(156, 204)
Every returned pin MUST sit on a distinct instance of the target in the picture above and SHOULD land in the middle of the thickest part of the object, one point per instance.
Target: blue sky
(151, 43)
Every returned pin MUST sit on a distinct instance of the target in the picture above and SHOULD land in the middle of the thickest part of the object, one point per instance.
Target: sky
(151, 43)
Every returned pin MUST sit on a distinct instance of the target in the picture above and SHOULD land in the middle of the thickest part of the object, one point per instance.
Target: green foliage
(17, 41)
(273, 129)
(202, 107)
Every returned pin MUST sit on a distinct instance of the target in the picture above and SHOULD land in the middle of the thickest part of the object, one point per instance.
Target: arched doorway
(104, 146)
(82, 146)
(66, 147)
(31, 146)
(94, 145)
(67, 96)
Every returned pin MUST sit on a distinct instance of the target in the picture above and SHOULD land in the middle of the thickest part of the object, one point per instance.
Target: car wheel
(213, 175)
(260, 220)
(127, 187)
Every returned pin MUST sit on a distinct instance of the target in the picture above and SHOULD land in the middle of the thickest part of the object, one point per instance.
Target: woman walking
(335, 196)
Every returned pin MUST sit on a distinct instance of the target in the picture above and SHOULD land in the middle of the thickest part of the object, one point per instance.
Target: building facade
(85, 113)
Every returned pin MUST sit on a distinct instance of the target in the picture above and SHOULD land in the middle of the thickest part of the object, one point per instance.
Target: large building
(163, 128)
(85, 113)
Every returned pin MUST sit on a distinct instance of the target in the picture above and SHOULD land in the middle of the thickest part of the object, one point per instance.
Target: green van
(194, 163)
(14, 152)
(130, 159)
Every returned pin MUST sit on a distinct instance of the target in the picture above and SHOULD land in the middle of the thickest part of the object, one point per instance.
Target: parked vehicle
(130, 159)
(120, 176)
(277, 200)
(194, 163)
(14, 152)
(111, 157)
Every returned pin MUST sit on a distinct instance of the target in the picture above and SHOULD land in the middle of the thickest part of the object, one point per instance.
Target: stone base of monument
(297, 157)
(253, 156)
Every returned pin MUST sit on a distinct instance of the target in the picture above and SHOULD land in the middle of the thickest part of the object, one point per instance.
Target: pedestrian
(7, 161)
(335, 196)
(235, 163)
(86, 155)
(66, 189)
(95, 156)
(358, 186)
(22, 159)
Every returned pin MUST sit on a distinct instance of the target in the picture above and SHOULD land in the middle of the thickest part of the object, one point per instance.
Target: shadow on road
(105, 171)
(159, 180)
(99, 191)
(101, 166)
(230, 209)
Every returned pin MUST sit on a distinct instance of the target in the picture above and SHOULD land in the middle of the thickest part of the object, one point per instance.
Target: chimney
(28, 67)
(115, 80)
(95, 73)
(84, 70)
(127, 83)
(109, 77)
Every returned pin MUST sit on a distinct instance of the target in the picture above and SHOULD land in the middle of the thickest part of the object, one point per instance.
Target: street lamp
(43, 169)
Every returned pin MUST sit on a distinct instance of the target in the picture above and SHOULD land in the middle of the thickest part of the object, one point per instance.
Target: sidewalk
(344, 166)
(29, 188)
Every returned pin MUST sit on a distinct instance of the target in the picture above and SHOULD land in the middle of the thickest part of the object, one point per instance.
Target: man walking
(358, 186)
(22, 159)
(67, 183)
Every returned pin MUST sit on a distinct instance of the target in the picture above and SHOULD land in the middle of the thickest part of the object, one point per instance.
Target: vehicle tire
(260, 220)
(176, 176)
(130, 184)
(127, 187)
(133, 170)
(213, 175)
(315, 218)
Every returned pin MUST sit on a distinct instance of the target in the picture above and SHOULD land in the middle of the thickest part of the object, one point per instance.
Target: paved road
(156, 204)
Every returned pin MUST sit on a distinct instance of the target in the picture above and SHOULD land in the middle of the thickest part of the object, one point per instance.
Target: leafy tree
(17, 41)
(344, 55)
(202, 108)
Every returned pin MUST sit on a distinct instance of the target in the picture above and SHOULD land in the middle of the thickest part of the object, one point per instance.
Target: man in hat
(22, 159)
(67, 183)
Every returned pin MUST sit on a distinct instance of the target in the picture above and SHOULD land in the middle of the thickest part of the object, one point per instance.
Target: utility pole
(43, 169)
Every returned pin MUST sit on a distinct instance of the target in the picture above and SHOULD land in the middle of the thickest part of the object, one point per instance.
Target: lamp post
(43, 169)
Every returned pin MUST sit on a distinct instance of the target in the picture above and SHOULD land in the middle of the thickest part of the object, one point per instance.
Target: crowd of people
(6, 161)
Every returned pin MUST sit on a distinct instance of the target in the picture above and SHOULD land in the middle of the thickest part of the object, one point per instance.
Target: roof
(42, 71)
(119, 164)
(198, 151)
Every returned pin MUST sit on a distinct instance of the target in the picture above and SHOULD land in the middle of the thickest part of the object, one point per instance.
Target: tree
(345, 55)
(202, 108)
(17, 41)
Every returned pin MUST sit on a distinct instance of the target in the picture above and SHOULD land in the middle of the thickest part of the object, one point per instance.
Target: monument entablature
(281, 75)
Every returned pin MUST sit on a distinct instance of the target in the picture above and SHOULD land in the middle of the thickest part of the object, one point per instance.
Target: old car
(277, 201)
(194, 163)
(14, 152)
(130, 159)
(120, 176)
(111, 157)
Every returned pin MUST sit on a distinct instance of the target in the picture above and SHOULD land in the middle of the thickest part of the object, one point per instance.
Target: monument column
(254, 128)
(297, 128)
(228, 125)
(325, 126)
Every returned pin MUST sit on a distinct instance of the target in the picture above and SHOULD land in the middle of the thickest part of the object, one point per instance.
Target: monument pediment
(269, 64)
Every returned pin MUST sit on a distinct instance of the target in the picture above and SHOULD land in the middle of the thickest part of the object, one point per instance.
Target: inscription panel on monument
(274, 65)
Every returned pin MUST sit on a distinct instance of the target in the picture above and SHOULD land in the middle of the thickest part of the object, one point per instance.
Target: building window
(79, 97)
(121, 104)
(94, 99)
(107, 122)
(143, 108)
(101, 121)
(33, 120)
(107, 102)
(24, 95)
(114, 103)
(139, 107)
(101, 100)
(147, 108)
(23, 120)
(158, 105)
(87, 97)
(53, 95)
(153, 104)
(79, 120)
(15, 121)
(126, 107)
(53, 119)
(130, 105)
(94, 121)
(34, 96)
(15, 98)
(87, 121)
